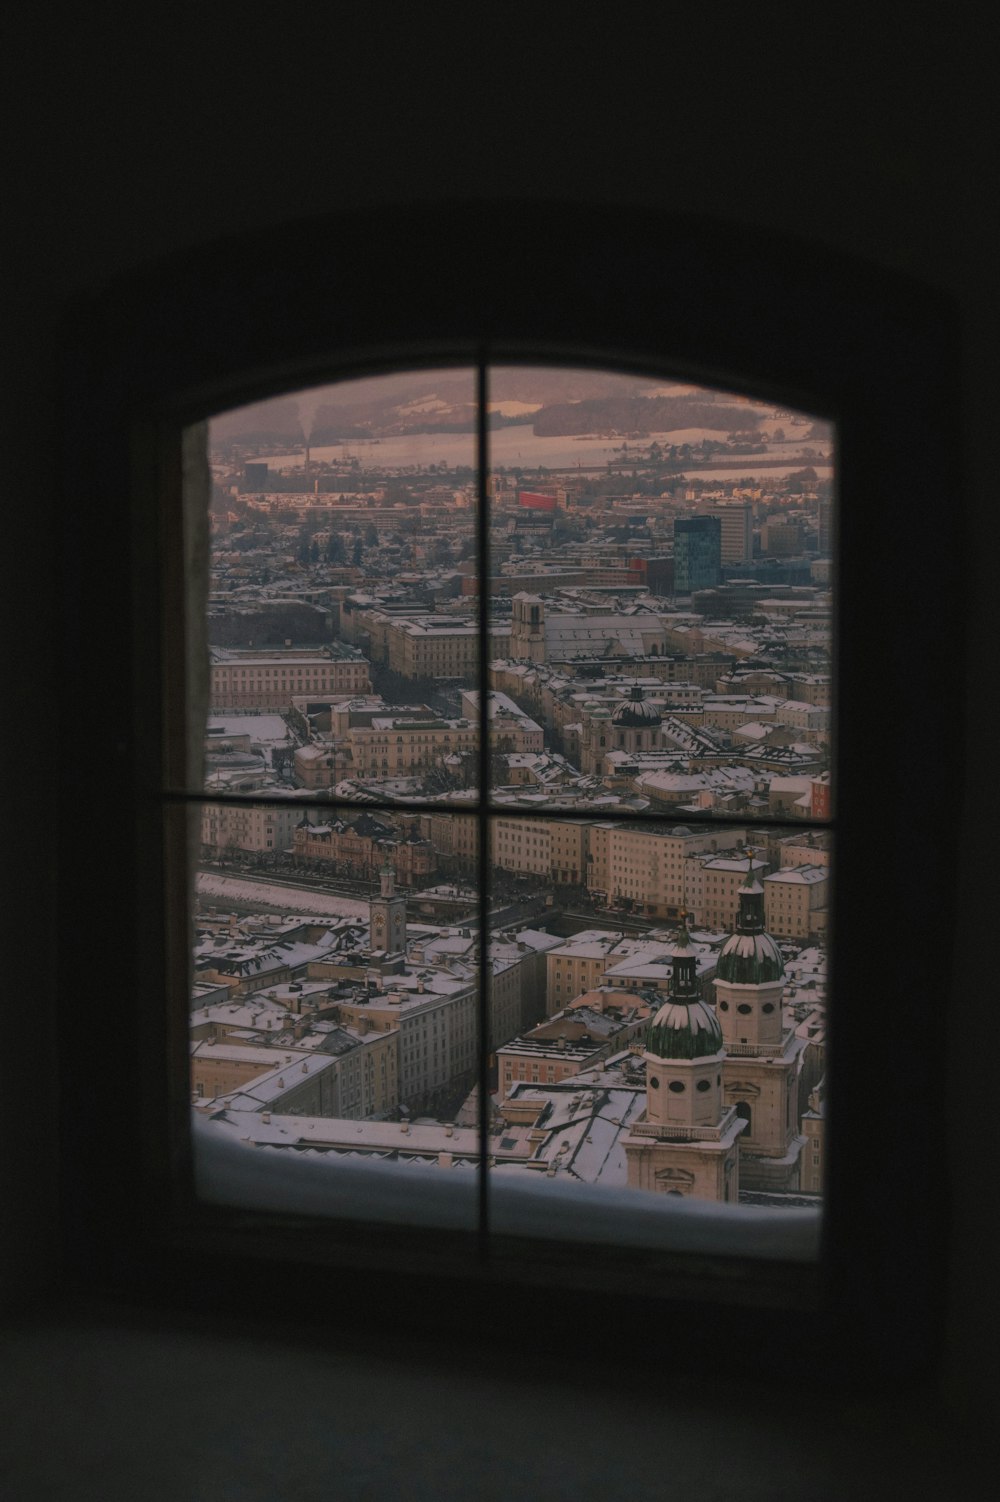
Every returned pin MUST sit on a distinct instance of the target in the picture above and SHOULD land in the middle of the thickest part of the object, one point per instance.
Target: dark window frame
(718, 304)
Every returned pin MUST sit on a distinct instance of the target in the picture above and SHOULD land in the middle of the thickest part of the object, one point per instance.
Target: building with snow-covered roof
(686, 1141)
(796, 900)
(646, 866)
(270, 1079)
(422, 645)
(269, 679)
(359, 846)
(541, 633)
(517, 989)
(576, 1038)
(577, 965)
(712, 886)
(672, 790)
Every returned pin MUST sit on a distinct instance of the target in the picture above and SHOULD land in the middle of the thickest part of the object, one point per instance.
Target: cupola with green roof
(750, 977)
(636, 711)
(750, 955)
(684, 1049)
(684, 1027)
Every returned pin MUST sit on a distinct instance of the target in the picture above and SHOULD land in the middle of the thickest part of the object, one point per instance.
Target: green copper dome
(684, 1027)
(636, 712)
(749, 960)
(750, 956)
(684, 1030)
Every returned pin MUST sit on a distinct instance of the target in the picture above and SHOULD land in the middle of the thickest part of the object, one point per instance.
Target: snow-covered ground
(288, 899)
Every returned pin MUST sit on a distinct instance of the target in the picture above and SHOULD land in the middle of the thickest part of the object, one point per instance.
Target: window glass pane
(664, 552)
(341, 620)
(680, 1043)
(334, 1034)
(659, 614)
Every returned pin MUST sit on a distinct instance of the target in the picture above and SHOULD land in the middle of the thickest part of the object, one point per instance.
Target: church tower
(387, 915)
(527, 632)
(687, 1140)
(761, 1072)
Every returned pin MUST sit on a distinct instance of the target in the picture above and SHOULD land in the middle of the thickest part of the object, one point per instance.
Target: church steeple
(751, 894)
(750, 975)
(387, 914)
(760, 1075)
(684, 967)
(683, 1048)
(686, 1140)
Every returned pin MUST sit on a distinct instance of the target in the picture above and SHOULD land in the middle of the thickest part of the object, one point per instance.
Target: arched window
(156, 359)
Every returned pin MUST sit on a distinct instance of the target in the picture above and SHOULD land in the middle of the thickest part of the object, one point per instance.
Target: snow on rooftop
(799, 875)
(265, 729)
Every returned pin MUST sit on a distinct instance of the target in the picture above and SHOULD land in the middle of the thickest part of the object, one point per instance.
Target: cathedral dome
(684, 1027)
(750, 957)
(636, 712)
(684, 1030)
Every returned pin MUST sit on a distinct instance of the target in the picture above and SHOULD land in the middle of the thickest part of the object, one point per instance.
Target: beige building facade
(358, 1081)
(575, 967)
(429, 646)
(712, 887)
(796, 901)
(270, 680)
(813, 1124)
(658, 870)
(256, 827)
(455, 840)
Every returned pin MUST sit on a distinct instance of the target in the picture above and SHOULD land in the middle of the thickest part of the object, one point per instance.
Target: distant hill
(639, 414)
(570, 401)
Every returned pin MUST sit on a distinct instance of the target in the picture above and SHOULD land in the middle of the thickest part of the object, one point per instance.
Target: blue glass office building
(697, 553)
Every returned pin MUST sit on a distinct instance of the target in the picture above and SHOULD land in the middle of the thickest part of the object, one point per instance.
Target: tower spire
(684, 970)
(750, 919)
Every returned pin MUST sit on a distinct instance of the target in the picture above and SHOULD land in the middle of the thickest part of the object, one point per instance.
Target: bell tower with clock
(387, 915)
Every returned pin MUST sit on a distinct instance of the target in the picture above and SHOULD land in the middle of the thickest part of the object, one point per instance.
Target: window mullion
(482, 821)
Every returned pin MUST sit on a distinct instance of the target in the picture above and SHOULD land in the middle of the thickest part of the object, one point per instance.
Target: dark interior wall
(135, 140)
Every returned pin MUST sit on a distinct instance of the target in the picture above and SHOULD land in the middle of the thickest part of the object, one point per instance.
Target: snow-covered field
(287, 899)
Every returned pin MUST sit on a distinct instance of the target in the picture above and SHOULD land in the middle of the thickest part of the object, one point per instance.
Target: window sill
(232, 1173)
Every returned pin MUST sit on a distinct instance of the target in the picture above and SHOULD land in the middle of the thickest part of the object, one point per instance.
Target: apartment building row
(358, 848)
(652, 870)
